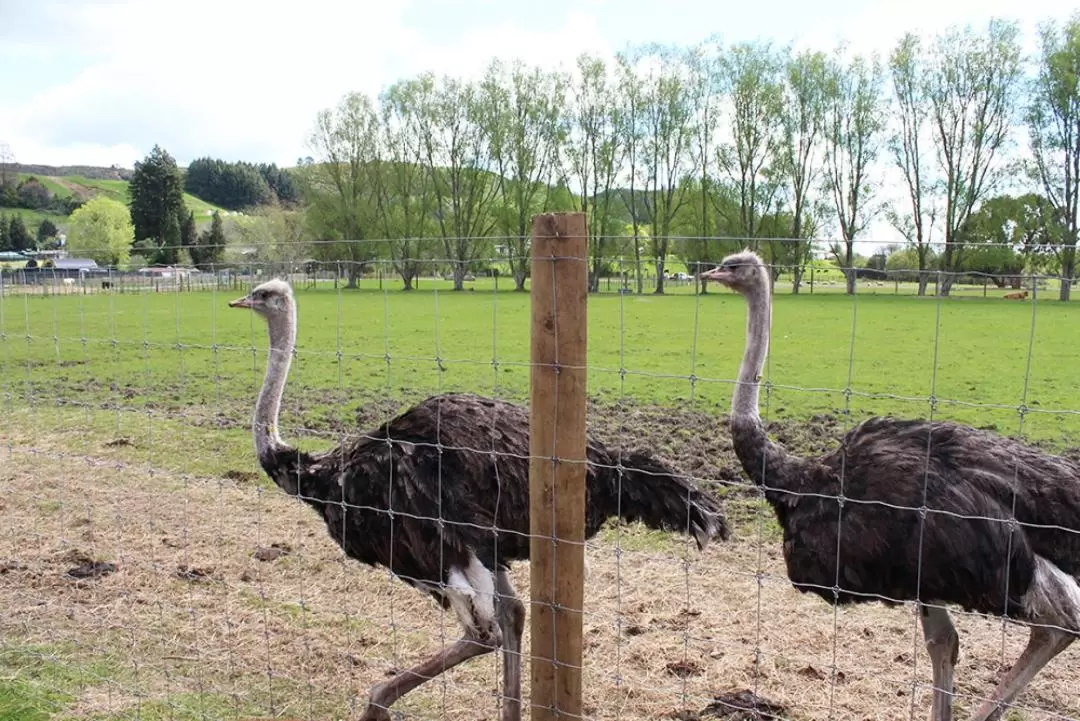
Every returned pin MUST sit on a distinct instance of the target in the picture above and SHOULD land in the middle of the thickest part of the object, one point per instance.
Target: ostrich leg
(943, 645)
(474, 603)
(1043, 644)
(384, 695)
(511, 614)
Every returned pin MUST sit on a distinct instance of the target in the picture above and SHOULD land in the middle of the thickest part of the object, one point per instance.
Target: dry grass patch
(184, 609)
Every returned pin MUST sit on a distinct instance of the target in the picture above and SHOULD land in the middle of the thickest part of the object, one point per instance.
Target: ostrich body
(440, 496)
(854, 531)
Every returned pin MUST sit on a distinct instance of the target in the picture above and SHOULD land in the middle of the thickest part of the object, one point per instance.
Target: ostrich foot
(374, 712)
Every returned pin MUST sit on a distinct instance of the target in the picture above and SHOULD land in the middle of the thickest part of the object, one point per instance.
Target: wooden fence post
(557, 391)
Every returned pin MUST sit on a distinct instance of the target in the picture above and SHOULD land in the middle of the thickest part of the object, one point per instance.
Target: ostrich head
(743, 272)
(269, 299)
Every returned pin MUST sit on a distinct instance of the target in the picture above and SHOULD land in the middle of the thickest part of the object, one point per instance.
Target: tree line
(239, 185)
(671, 150)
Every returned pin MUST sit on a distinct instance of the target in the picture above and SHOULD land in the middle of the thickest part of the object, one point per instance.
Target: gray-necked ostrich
(440, 496)
(854, 531)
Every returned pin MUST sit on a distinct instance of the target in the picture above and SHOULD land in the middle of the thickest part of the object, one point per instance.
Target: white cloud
(233, 79)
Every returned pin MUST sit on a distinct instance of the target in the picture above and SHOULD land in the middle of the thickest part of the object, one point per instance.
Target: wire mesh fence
(152, 567)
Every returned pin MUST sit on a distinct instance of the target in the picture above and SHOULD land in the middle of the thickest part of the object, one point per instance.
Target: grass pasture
(82, 187)
(124, 423)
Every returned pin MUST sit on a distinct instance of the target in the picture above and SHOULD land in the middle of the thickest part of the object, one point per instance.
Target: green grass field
(189, 354)
(135, 408)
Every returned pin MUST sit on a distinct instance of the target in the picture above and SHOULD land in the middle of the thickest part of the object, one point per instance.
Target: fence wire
(150, 569)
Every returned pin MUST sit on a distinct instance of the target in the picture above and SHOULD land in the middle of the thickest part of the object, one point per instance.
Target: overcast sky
(99, 83)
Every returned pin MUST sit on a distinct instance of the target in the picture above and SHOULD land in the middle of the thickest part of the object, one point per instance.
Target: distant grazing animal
(1019, 295)
(440, 496)
(855, 531)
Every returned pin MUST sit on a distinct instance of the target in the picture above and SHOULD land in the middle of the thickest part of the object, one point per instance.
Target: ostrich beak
(244, 302)
(718, 274)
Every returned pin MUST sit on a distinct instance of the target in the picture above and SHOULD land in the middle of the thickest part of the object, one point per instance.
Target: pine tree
(18, 236)
(5, 238)
(157, 194)
(211, 246)
(188, 235)
(169, 250)
(46, 231)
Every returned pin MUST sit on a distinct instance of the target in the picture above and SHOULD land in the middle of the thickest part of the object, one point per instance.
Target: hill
(85, 182)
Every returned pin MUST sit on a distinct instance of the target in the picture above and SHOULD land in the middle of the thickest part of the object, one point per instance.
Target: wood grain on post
(557, 462)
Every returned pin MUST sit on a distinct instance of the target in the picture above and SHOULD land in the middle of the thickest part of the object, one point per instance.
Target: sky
(99, 83)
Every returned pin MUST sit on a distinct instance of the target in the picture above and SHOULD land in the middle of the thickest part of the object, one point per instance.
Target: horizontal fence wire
(151, 567)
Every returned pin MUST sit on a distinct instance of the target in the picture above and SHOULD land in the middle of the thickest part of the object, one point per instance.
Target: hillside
(84, 182)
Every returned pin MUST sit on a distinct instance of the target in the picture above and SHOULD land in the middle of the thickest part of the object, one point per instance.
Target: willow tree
(752, 79)
(523, 111)
(911, 149)
(802, 123)
(594, 151)
(339, 185)
(972, 84)
(1053, 120)
(855, 119)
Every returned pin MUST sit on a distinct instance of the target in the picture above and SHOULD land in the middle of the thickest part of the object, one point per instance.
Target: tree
(404, 198)
(102, 230)
(854, 121)
(522, 113)
(168, 253)
(972, 84)
(707, 86)
(339, 187)
(33, 194)
(594, 152)
(231, 185)
(209, 247)
(631, 137)
(457, 155)
(752, 78)
(280, 237)
(19, 238)
(1005, 232)
(1053, 119)
(909, 147)
(46, 231)
(280, 181)
(667, 114)
(188, 234)
(802, 123)
(5, 236)
(157, 198)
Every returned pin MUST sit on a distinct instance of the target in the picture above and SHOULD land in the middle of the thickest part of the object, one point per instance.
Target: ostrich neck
(744, 402)
(268, 441)
(767, 463)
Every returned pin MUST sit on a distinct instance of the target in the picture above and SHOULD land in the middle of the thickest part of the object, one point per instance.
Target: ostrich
(912, 510)
(383, 503)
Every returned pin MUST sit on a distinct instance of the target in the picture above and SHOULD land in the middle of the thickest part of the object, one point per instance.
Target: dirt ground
(215, 594)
